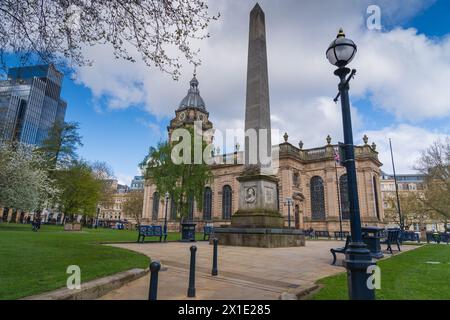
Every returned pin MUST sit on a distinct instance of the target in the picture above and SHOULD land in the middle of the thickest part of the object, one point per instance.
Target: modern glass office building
(30, 103)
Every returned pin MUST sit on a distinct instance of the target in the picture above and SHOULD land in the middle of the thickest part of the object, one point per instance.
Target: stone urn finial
(286, 137)
(374, 146)
(300, 145)
(328, 140)
(366, 139)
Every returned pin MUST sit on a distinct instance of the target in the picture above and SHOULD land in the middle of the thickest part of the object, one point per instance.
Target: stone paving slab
(244, 273)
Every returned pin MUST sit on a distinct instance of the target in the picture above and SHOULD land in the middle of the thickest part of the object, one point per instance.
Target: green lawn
(407, 276)
(35, 262)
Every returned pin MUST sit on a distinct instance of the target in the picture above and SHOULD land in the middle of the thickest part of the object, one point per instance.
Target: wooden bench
(207, 232)
(151, 231)
(393, 237)
(340, 235)
(340, 250)
(322, 234)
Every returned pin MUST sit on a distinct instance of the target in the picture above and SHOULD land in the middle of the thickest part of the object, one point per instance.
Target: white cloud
(123, 178)
(403, 73)
(155, 128)
(407, 143)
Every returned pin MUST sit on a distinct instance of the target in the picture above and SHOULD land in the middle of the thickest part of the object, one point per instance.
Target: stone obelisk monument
(258, 222)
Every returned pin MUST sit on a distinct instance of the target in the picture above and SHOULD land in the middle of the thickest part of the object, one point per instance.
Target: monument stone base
(258, 223)
(259, 237)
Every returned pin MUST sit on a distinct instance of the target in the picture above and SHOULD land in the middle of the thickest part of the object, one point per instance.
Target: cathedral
(312, 188)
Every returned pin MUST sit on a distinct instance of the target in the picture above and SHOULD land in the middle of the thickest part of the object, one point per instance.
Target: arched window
(375, 194)
(191, 208)
(207, 204)
(155, 209)
(317, 199)
(173, 209)
(345, 203)
(226, 202)
(296, 179)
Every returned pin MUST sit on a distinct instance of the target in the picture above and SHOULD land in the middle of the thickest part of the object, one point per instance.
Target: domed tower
(192, 108)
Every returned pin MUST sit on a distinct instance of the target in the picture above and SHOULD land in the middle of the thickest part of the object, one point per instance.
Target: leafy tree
(434, 163)
(413, 209)
(133, 205)
(54, 31)
(80, 190)
(104, 174)
(24, 181)
(183, 181)
(61, 145)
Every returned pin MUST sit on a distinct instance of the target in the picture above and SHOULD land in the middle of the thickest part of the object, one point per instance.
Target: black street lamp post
(165, 214)
(358, 259)
(339, 200)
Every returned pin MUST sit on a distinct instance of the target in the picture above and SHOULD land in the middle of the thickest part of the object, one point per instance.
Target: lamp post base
(358, 260)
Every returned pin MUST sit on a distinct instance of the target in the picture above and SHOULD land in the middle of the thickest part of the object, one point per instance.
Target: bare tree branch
(57, 31)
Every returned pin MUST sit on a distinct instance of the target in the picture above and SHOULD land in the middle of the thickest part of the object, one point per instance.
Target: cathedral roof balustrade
(287, 150)
(325, 153)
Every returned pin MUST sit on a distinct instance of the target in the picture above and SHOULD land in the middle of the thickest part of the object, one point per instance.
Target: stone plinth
(258, 206)
(259, 237)
(258, 223)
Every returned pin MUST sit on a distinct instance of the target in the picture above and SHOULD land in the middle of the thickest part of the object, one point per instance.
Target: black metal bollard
(214, 271)
(191, 289)
(153, 290)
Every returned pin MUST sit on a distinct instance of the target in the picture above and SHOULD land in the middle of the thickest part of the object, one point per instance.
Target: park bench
(438, 237)
(340, 235)
(340, 250)
(308, 233)
(207, 231)
(393, 237)
(151, 231)
(444, 237)
(410, 236)
(322, 234)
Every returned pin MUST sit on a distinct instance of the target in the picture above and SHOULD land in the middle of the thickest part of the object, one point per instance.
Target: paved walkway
(244, 273)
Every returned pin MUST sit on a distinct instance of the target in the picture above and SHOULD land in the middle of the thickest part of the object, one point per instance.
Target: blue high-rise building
(30, 103)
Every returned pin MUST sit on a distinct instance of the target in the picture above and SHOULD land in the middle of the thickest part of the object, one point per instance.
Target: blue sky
(119, 128)
(117, 137)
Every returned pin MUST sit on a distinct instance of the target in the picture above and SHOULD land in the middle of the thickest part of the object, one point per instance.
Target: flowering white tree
(24, 180)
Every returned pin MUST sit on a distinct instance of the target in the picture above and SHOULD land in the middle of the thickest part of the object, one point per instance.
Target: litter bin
(372, 238)
(188, 231)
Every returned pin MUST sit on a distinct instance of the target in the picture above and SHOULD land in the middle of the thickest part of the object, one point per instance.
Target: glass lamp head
(341, 51)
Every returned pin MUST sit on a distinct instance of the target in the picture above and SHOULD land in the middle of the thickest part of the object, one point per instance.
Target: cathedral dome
(193, 98)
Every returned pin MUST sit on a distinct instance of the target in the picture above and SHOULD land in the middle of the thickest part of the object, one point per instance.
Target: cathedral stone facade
(310, 177)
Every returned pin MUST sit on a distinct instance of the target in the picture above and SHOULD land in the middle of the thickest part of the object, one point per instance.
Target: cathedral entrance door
(297, 216)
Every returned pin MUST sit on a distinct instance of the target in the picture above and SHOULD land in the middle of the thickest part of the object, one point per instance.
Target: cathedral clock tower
(192, 108)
